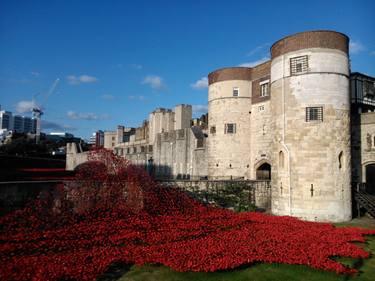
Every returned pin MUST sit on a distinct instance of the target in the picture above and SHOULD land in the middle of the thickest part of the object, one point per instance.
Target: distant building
(29, 125)
(18, 124)
(61, 137)
(92, 139)
(97, 139)
(61, 134)
(110, 139)
(122, 134)
(6, 120)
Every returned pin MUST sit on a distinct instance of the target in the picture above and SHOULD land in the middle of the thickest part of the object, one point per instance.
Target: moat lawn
(263, 272)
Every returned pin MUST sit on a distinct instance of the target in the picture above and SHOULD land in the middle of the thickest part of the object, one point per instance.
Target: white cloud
(372, 53)
(136, 66)
(199, 109)
(107, 97)
(140, 98)
(200, 84)
(355, 47)
(154, 81)
(258, 49)
(87, 79)
(86, 116)
(254, 63)
(72, 80)
(69, 127)
(76, 80)
(25, 106)
(35, 73)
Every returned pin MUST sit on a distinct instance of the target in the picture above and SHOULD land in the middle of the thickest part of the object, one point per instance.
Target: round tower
(229, 105)
(311, 123)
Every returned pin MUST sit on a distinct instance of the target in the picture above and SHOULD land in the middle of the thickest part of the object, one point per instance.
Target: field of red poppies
(116, 213)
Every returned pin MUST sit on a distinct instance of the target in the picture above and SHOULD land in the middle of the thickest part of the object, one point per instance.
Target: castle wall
(138, 152)
(310, 159)
(229, 153)
(183, 115)
(141, 133)
(261, 136)
(161, 120)
(315, 183)
(261, 119)
(73, 158)
(176, 155)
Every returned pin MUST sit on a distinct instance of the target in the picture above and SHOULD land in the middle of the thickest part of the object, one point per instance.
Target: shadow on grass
(115, 271)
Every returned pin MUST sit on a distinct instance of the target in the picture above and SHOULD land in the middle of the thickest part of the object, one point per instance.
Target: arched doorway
(263, 172)
(370, 178)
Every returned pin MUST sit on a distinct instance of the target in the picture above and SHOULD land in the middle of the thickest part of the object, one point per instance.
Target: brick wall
(233, 73)
(310, 39)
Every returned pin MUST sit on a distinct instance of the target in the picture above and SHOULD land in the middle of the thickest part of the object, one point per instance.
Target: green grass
(261, 272)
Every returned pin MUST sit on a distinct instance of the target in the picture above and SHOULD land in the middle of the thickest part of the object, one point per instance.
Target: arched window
(281, 160)
(341, 159)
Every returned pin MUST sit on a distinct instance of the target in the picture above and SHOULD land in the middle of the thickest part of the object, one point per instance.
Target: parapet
(162, 110)
(310, 39)
(230, 73)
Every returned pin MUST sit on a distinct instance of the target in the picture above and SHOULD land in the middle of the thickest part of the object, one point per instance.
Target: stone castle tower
(288, 119)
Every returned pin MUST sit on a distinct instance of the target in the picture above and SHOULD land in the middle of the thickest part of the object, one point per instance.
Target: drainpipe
(283, 140)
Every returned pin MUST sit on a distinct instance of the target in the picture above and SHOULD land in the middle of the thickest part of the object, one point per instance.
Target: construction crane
(38, 112)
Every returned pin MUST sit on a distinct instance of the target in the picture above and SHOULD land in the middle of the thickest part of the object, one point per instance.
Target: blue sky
(119, 60)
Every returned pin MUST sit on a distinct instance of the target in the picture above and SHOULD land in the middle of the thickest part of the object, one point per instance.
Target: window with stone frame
(236, 91)
(212, 129)
(299, 65)
(264, 89)
(314, 114)
(230, 128)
